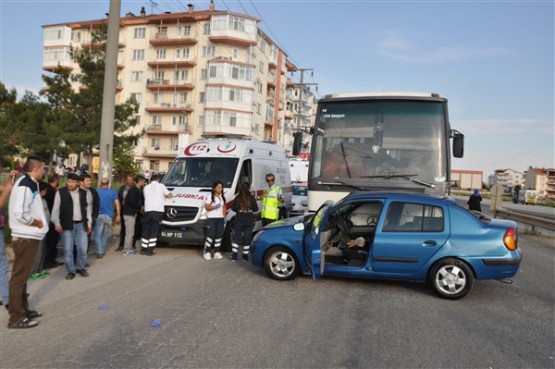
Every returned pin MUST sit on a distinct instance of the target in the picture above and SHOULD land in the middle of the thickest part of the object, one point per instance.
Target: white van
(299, 170)
(231, 161)
(527, 196)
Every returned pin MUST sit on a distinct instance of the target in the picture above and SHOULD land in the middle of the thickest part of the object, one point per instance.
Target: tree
(79, 109)
(8, 137)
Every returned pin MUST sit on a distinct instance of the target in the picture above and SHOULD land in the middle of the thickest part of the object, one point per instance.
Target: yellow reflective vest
(270, 203)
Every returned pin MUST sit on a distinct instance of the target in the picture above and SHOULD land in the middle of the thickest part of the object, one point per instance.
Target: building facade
(467, 179)
(537, 179)
(193, 73)
(508, 178)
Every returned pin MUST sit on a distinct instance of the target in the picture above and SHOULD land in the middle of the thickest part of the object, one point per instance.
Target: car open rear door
(315, 239)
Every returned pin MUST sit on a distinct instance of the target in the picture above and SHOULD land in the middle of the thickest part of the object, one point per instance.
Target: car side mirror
(458, 143)
(298, 227)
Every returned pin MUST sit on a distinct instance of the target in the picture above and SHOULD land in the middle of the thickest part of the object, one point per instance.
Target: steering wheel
(342, 225)
(371, 221)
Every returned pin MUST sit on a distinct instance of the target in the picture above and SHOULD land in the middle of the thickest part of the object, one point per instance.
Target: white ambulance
(231, 161)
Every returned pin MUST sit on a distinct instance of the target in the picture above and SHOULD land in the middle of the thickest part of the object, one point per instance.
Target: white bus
(381, 142)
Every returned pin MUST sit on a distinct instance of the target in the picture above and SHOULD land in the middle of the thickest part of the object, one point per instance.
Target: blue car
(392, 236)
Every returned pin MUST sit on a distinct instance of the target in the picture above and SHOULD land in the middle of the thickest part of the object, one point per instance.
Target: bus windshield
(201, 172)
(357, 142)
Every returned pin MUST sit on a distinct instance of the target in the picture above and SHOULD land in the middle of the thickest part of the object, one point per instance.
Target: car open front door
(315, 239)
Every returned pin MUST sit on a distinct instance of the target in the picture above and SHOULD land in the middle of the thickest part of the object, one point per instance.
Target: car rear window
(411, 217)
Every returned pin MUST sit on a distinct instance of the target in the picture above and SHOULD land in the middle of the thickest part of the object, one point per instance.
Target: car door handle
(429, 243)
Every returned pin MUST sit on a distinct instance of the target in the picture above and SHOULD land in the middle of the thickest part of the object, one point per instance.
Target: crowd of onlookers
(43, 215)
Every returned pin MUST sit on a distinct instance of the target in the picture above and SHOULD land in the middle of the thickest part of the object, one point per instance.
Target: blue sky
(493, 60)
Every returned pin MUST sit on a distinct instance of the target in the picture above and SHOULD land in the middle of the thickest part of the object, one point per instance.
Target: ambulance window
(246, 172)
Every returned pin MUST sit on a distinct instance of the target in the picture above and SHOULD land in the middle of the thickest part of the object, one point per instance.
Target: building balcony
(169, 108)
(232, 39)
(172, 64)
(166, 84)
(169, 130)
(55, 65)
(161, 152)
(170, 39)
(222, 129)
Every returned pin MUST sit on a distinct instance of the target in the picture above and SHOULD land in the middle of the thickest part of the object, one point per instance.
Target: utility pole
(109, 97)
(301, 86)
(298, 135)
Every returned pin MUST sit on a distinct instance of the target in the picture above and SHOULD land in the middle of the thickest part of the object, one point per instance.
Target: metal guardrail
(531, 220)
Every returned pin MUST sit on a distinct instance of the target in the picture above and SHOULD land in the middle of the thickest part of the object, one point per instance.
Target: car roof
(398, 196)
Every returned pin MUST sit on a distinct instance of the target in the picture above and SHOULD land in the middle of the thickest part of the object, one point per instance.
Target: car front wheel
(280, 263)
(451, 278)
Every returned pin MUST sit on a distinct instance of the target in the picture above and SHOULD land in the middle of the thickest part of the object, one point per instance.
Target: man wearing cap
(103, 227)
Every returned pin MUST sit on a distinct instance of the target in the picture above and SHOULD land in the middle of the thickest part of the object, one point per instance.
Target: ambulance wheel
(228, 234)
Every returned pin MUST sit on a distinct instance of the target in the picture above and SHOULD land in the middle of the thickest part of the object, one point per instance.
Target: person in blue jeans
(72, 217)
(103, 227)
(5, 190)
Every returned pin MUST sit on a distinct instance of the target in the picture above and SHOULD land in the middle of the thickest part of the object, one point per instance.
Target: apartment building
(550, 183)
(508, 178)
(194, 73)
(537, 179)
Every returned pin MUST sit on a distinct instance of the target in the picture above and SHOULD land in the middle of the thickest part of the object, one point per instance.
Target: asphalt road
(218, 314)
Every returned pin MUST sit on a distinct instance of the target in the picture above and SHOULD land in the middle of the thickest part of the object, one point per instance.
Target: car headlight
(257, 236)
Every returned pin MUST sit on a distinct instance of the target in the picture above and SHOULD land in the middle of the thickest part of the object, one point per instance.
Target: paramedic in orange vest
(271, 200)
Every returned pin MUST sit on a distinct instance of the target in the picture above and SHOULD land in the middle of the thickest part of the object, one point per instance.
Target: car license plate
(173, 234)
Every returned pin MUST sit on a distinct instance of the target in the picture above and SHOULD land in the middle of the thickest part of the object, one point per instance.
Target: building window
(140, 32)
(162, 32)
(138, 54)
(155, 143)
(137, 96)
(261, 67)
(136, 76)
(160, 76)
(161, 54)
(206, 28)
(182, 53)
(181, 75)
(157, 119)
(202, 97)
(203, 74)
(183, 31)
(208, 51)
(76, 36)
(155, 165)
(235, 53)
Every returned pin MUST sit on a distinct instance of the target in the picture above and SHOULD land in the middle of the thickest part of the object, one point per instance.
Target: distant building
(536, 179)
(508, 178)
(193, 73)
(550, 183)
(467, 179)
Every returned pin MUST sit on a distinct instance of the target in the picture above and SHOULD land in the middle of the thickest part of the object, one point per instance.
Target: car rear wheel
(451, 278)
(280, 263)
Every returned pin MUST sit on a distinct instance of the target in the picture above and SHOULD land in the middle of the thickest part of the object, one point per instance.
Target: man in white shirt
(154, 195)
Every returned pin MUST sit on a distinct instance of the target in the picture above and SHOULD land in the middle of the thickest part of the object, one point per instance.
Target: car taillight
(510, 239)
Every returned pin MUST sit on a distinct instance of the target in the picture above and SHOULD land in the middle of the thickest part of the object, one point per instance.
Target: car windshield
(300, 190)
(201, 172)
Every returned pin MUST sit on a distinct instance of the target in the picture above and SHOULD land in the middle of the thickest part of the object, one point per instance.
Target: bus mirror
(458, 143)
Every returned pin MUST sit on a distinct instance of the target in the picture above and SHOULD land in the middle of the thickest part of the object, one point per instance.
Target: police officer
(271, 200)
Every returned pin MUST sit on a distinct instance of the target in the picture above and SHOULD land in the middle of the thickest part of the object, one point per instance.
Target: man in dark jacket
(72, 217)
(130, 198)
(52, 237)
